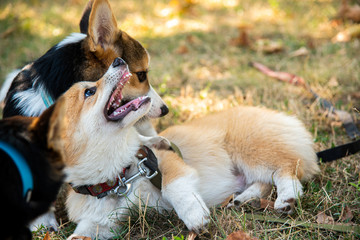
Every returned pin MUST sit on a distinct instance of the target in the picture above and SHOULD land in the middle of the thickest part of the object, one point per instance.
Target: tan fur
(255, 145)
(253, 134)
(173, 169)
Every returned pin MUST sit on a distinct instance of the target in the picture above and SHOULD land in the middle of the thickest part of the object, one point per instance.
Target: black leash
(338, 152)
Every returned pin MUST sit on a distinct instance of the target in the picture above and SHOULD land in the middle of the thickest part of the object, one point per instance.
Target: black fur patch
(17, 213)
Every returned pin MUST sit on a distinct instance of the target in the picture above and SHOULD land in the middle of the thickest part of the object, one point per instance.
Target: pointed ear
(84, 22)
(102, 25)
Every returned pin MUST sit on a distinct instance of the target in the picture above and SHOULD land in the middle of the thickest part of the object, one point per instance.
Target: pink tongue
(133, 105)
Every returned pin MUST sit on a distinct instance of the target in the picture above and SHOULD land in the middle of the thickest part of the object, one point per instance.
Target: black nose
(118, 62)
(164, 110)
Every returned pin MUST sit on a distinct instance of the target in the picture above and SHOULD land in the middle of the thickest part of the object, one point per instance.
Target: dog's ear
(102, 26)
(84, 22)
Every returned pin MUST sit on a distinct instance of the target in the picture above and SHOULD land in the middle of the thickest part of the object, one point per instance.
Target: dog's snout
(118, 62)
(164, 110)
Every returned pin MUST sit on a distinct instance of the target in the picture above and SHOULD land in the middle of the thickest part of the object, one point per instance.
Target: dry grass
(197, 71)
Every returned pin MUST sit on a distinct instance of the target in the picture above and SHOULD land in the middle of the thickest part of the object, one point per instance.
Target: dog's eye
(89, 92)
(141, 76)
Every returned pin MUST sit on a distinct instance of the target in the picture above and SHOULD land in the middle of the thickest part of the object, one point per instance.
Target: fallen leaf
(47, 236)
(266, 204)
(240, 235)
(322, 218)
(242, 40)
(182, 49)
(268, 46)
(355, 95)
(349, 12)
(303, 51)
(346, 215)
(228, 200)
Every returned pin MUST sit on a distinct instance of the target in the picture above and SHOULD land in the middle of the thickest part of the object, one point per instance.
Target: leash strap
(176, 149)
(152, 164)
(23, 168)
(340, 151)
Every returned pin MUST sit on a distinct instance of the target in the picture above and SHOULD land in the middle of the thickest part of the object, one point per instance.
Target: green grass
(211, 75)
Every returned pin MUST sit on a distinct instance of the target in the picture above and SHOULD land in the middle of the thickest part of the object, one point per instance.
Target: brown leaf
(347, 215)
(266, 204)
(240, 235)
(47, 236)
(349, 12)
(227, 201)
(182, 49)
(322, 218)
(80, 238)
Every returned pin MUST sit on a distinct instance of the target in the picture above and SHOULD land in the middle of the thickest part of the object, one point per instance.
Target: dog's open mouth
(117, 107)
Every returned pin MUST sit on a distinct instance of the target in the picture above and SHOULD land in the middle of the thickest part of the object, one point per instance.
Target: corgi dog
(100, 148)
(31, 153)
(82, 56)
(243, 150)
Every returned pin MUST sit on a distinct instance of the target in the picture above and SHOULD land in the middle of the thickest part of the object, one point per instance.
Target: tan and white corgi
(243, 150)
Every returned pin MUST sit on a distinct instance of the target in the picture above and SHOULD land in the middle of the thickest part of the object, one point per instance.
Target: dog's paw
(46, 220)
(197, 219)
(76, 237)
(156, 142)
(285, 206)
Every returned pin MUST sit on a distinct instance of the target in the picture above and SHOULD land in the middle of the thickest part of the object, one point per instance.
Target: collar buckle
(125, 185)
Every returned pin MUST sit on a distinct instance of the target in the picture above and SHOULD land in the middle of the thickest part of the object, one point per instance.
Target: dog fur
(243, 150)
(39, 141)
(82, 56)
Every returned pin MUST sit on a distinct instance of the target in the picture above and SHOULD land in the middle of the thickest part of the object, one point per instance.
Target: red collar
(102, 189)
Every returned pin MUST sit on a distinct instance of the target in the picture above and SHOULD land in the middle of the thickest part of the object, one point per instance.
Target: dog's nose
(164, 110)
(118, 62)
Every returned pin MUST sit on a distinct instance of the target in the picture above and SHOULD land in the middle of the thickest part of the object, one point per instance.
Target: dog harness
(147, 167)
(23, 168)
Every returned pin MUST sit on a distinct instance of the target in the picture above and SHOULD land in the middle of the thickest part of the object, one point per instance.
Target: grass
(197, 71)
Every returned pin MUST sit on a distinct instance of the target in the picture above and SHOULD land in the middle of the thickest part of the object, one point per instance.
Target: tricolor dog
(82, 56)
(31, 164)
(109, 165)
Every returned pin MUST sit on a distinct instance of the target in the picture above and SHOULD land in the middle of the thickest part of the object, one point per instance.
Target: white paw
(46, 220)
(284, 205)
(194, 214)
(77, 237)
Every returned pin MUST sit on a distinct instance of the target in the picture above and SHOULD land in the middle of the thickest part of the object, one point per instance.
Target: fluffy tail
(6, 85)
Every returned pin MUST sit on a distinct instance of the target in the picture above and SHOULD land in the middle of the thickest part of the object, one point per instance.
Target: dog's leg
(46, 220)
(180, 190)
(289, 189)
(157, 142)
(255, 191)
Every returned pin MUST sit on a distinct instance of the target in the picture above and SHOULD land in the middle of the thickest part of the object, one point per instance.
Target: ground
(199, 64)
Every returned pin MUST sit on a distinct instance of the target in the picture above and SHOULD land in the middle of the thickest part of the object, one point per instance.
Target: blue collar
(23, 167)
(47, 99)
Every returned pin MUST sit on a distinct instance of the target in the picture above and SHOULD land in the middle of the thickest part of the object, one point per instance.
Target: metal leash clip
(125, 184)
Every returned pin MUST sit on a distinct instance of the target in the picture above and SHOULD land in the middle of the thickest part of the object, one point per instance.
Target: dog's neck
(103, 159)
